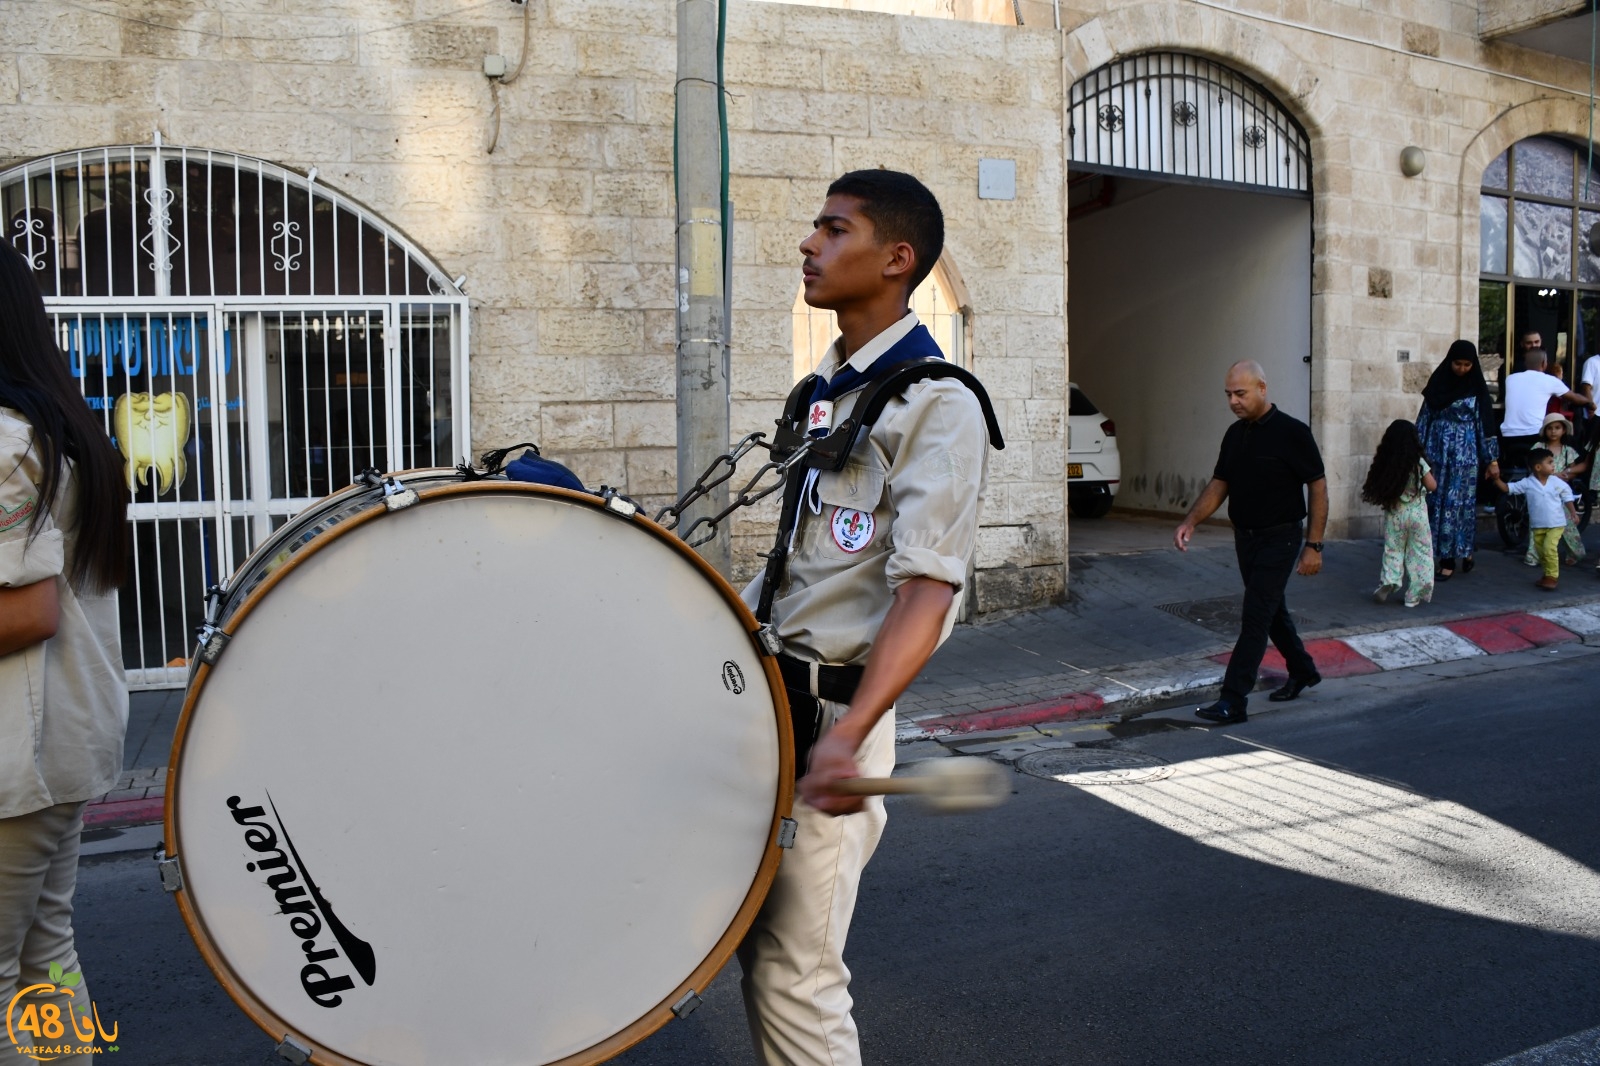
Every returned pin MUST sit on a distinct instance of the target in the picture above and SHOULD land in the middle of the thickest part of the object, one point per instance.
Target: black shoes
(1223, 712)
(1293, 687)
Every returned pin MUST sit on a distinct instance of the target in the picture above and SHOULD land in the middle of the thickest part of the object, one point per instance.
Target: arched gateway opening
(253, 340)
(1189, 230)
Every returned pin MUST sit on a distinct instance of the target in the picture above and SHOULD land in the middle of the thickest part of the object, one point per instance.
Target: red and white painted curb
(1366, 653)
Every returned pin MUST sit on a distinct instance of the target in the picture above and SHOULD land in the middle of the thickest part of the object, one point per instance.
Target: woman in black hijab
(1455, 405)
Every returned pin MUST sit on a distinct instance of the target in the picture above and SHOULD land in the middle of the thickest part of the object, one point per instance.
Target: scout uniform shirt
(904, 506)
(64, 701)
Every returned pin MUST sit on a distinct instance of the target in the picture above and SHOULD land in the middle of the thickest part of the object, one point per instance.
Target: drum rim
(721, 952)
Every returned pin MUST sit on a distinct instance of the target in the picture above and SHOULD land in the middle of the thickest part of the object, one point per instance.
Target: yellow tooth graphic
(151, 431)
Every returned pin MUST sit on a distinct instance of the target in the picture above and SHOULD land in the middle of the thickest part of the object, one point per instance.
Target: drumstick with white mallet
(942, 786)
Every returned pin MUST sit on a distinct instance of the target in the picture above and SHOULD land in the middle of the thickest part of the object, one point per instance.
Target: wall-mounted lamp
(1412, 160)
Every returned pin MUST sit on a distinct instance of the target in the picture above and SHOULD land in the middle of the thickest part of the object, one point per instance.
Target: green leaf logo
(56, 972)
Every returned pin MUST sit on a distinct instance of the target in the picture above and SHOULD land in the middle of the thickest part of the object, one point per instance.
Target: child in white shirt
(1549, 508)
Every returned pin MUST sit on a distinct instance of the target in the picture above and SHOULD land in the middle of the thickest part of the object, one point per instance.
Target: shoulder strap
(833, 451)
(880, 392)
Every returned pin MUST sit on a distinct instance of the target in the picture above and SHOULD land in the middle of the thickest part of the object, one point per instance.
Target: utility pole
(703, 420)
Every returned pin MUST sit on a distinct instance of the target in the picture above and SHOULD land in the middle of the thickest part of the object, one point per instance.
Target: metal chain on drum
(722, 469)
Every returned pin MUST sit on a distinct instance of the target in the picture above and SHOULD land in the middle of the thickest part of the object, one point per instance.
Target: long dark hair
(1394, 468)
(34, 381)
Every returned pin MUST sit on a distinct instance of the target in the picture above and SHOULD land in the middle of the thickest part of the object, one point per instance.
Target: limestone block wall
(1395, 258)
(565, 231)
(930, 97)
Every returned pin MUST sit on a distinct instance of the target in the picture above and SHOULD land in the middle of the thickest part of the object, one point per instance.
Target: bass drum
(491, 774)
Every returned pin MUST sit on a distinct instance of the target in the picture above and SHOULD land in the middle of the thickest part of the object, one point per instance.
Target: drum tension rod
(212, 639)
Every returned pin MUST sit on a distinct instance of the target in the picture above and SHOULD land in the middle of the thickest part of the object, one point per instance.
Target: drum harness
(798, 453)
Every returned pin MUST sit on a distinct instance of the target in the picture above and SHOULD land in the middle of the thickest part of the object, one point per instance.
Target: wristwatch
(1315, 545)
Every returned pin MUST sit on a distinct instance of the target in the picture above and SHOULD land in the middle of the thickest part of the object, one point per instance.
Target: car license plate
(1074, 470)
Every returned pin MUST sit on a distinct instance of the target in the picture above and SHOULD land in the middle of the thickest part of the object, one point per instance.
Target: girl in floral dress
(1396, 482)
(1571, 467)
(1458, 449)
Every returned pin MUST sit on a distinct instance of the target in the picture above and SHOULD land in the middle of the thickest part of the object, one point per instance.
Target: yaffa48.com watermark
(46, 1021)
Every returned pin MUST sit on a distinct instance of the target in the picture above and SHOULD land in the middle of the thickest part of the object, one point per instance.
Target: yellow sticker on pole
(705, 252)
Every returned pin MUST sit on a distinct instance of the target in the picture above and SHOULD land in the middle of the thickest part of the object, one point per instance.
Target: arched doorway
(1539, 255)
(253, 340)
(1189, 247)
(940, 302)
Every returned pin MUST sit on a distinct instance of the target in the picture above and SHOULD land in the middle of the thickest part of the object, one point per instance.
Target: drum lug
(171, 873)
(396, 496)
(618, 503)
(685, 1006)
(293, 1050)
(787, 828)
(771, 643)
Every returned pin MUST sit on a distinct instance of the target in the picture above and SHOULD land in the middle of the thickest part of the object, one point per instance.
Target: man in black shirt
(1266, 461)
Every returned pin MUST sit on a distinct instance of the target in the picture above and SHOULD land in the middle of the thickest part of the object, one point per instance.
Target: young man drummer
(875, 579)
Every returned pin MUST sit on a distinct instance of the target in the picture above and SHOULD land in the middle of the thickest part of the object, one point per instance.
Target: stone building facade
(564, 234)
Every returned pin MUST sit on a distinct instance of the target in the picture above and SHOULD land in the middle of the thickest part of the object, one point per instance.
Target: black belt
(835, 683)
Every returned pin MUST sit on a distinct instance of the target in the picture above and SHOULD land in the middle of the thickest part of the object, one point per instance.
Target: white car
(1094, 466)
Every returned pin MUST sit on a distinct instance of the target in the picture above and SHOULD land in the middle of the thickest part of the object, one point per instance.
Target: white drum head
(527, 753)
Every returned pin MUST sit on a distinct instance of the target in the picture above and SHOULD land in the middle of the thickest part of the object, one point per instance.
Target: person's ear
(902, 260)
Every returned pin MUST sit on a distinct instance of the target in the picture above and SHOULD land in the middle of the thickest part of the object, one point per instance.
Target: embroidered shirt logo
(11, 517)
(852, 530)
(820, 419)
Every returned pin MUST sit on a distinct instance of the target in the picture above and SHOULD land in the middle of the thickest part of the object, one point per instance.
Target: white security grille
(253, 340)
(1189, 119)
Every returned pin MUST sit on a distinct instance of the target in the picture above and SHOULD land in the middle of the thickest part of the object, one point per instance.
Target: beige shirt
(904, 506)
(63, 702)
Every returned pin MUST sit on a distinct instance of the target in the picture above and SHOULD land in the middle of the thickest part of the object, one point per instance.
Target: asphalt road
(1401, 869)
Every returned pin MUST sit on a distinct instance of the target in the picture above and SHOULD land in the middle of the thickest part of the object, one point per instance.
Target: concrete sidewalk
(1144, 626)
(1145, 622)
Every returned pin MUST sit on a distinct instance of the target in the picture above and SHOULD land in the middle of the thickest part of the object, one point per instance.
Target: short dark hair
(900, 208)
(1535, 353)
(1539, 455)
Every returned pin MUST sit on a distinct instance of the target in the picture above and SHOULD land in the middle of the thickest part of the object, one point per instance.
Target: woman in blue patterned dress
(1455, 403)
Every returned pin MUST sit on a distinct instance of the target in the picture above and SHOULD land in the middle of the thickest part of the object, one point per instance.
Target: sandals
(1443, 573)
(1466, 565)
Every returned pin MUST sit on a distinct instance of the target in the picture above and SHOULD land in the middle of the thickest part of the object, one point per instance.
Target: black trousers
(1514, 453)
(1266, 559)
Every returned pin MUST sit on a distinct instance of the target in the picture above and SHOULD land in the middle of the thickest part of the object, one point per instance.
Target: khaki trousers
(38, 873)
(796, 986)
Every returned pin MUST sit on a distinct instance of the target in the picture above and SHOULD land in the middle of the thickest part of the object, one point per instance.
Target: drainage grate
(1094, 766)
(1220, 614)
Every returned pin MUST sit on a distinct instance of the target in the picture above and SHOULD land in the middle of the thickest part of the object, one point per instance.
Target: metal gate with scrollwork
(252, 339)
(1186, 118)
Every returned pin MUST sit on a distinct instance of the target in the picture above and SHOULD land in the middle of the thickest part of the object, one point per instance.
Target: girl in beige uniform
(63, 699)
